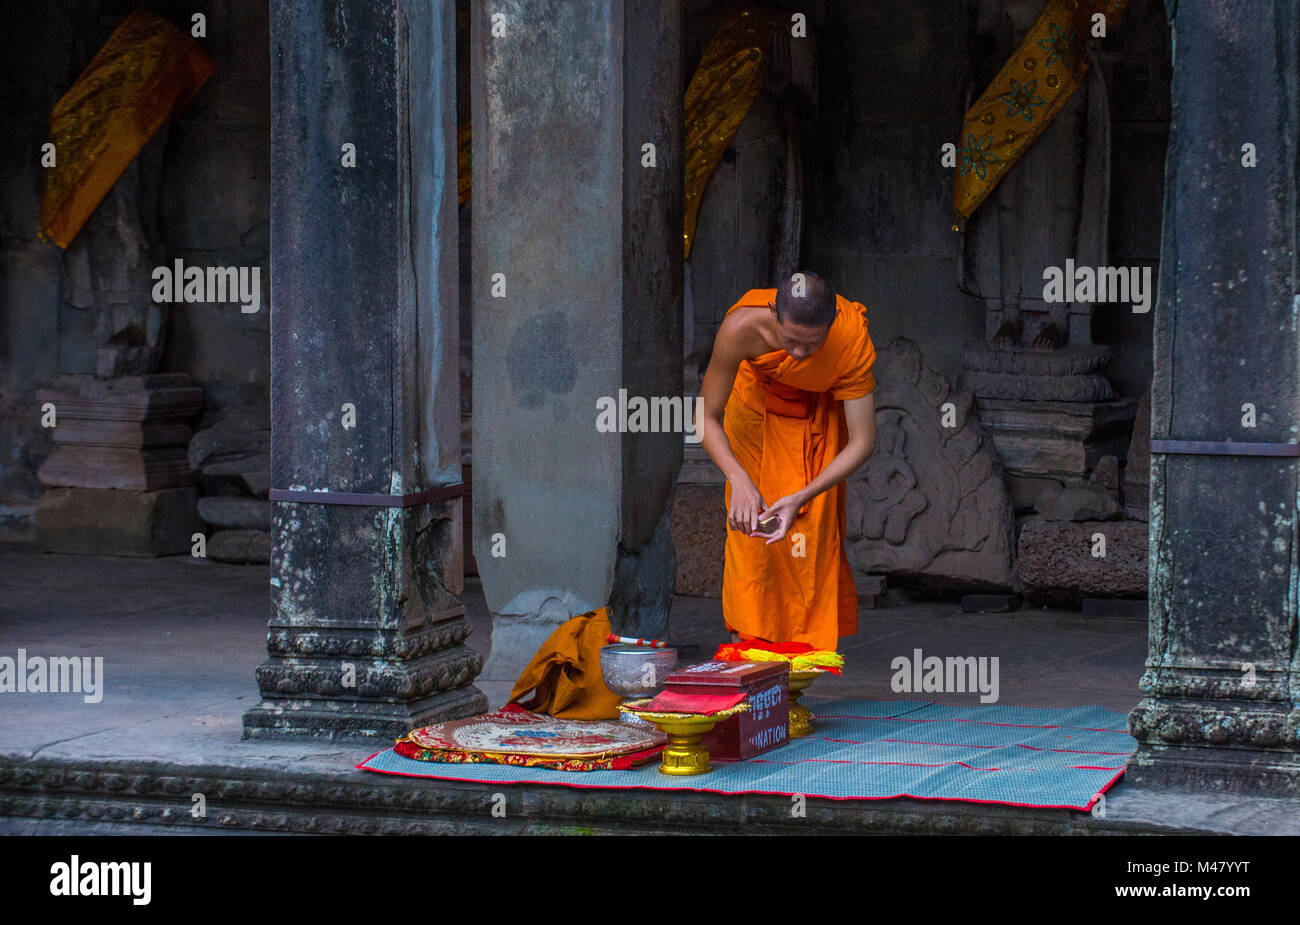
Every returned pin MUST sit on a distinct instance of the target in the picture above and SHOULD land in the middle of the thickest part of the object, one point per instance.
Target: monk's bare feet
(1051, 337)
(1007, 334)
(735, 637)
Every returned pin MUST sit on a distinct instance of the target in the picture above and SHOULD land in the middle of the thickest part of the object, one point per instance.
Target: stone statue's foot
(1006, 335)
(1051, 337)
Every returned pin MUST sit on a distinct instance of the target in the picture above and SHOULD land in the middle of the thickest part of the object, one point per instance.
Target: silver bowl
(636, 671)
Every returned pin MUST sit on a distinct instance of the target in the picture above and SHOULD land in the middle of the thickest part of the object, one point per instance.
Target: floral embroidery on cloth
(515, 736)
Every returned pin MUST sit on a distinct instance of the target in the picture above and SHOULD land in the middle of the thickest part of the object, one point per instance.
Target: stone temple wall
(871, 144)
(877, 212)
(877, 222)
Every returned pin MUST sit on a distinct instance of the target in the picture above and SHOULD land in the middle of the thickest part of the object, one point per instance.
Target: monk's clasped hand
(746, 502)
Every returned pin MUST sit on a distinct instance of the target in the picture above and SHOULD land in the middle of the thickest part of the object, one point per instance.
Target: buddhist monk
(787, 413)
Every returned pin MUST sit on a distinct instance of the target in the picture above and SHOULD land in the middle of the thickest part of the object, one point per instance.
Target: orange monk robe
(785, 422)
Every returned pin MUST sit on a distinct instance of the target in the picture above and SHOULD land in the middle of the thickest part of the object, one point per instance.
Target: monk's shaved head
(805, 299)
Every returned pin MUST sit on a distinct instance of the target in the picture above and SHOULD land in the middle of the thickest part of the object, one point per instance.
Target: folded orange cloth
(730, 651)
(704, 704)
(565, 675)
(736, 652)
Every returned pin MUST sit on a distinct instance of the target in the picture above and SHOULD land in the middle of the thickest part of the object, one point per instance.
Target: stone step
(698, 468)
(243, 547)
(331, 798)
(94, 521)
(242, 475)
(236, 512)
(121, 467)
(1055, 558)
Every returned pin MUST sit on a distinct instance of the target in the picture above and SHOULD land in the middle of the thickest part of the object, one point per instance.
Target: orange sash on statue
(146, 70)
(785, 423)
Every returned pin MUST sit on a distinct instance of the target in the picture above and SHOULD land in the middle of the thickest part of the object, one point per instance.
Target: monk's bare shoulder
(742, 333)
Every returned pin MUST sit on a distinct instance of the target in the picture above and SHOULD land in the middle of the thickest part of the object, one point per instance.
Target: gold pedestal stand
(684, 755)
(801, 718)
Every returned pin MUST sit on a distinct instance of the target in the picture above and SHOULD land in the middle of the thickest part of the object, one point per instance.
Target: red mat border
(730, 793)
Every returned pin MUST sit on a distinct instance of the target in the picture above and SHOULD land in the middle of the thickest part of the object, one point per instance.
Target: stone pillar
(366, 635)
(1222, 680)
(577, 254)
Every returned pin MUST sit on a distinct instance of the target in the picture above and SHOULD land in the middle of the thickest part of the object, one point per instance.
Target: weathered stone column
(366, 634)
(577, 254)
(1222, 681)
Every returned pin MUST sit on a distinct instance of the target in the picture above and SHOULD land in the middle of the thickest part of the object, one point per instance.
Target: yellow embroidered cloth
(1026, 95)
(719, 95)
(147, 69)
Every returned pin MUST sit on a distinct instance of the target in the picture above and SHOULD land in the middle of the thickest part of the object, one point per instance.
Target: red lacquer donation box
(765, 725)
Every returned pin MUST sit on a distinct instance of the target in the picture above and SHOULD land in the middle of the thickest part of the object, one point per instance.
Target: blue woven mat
(1043, 757)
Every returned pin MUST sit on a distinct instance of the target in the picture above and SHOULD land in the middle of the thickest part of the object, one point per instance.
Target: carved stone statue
(1051, 206)
(118, 481)
(108, 272)
(931, 500)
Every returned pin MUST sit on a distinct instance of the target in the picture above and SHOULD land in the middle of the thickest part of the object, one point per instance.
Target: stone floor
(181, 638)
